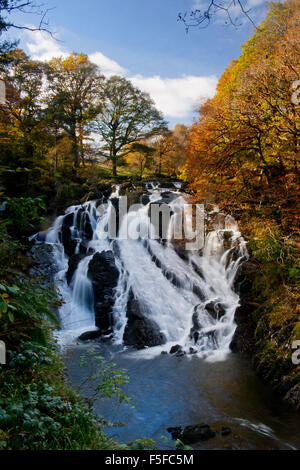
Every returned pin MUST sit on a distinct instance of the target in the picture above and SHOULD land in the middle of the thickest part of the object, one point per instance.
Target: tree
(23, 110)
(74, 86)
(140, 155)
(246, 143)
(127, 115)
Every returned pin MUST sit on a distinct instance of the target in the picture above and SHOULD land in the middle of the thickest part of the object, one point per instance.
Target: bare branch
(202, 18)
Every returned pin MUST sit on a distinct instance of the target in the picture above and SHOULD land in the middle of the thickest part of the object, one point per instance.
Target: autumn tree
(127, 115)
(74, 84)
(23, 110)
(246, 143)
(140, 155)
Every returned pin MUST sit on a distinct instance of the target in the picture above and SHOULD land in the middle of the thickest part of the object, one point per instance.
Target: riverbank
(39, 408)
(268, 284)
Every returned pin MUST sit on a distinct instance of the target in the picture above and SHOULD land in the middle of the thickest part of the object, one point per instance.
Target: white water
(147, 267)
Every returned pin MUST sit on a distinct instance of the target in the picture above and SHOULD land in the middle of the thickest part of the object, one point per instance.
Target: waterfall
(188, 295)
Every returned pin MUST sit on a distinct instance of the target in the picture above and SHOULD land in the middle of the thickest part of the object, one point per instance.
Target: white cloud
(177, 97)
(41, 46)
(108, 66)
(174, 97)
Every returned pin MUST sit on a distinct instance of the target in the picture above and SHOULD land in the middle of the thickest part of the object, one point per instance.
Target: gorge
(165, 314)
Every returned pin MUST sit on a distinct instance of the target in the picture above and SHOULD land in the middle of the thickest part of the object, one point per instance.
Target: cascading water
(187, 297)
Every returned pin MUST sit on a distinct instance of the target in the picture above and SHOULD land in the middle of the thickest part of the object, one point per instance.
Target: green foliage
(25, 312)
(24, 215)
(108, 381)
(126, 116)
(38, 411)
(9, 250)
(277, 254)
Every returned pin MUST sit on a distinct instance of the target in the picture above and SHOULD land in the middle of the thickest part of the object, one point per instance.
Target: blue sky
(143, 41)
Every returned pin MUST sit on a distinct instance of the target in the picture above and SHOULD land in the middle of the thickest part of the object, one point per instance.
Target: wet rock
(175, 432)
(225, 431)
(104, 275)
(164, 213)
(215, 309)
(90, 335)
(198, 291)
(66, 238)
(181, 251)
(243, 339)
(144, 199)
(192, 434)
(199, 432)
(195, 330)
(101, 192)
(193, 351)
(115, 203)
(87, 232)
(72, 266)
(43, 267)
(167, 197)
(176, 350)
(140, 331)
(68, 220)
(164, 353)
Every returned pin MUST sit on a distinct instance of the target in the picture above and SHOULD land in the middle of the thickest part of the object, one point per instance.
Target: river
(147, 298)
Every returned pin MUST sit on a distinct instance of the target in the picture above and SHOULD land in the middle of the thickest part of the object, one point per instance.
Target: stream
(166, 315)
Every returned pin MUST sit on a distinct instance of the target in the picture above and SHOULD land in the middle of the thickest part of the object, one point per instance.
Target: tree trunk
(114, 162)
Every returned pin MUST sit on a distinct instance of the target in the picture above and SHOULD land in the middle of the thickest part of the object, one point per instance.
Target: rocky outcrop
(43, 267)
(104, 275)
(140, 331)
(66, 235)
(90, 335)
(73, 263)
(177, 350)
(215, 309)
(243, 339)
(101, 192)
(192, 434)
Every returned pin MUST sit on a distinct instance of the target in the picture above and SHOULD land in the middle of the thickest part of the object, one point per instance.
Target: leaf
(13, 290)
(3, 306)
(11, 317)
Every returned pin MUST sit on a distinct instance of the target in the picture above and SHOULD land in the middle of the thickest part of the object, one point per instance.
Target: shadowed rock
(140, 331)
(104, 275)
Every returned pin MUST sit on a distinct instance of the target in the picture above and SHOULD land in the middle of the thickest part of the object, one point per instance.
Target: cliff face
(268, 318)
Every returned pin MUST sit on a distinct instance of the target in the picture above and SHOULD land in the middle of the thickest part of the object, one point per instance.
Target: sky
(143, 41)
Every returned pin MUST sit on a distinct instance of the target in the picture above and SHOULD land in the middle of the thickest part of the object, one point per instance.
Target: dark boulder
(215, 309)
(140, 331)
(144, 199)
(68, 220)
(115, 201)
(192, 434)
(199, 432)
(181, 251)
(177, 350)
(73, 263)
(225, 431)
(87, 229)
(175, 432)
(43, 267)
(243, 339)
(67, 240)
(90, 335)
(104, 275)
(100, 192)
(164, 213)
(193, 351)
